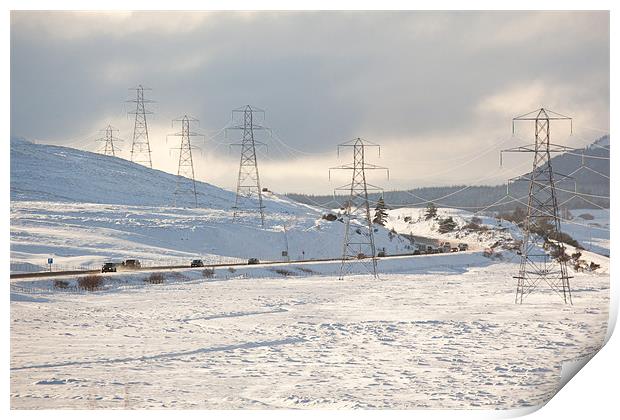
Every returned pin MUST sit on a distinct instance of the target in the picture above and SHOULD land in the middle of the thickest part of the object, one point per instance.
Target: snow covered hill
(83, 208)
(490, 231)
(53, 173)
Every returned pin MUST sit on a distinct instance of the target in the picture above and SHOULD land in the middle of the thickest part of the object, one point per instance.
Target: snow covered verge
(436, 331)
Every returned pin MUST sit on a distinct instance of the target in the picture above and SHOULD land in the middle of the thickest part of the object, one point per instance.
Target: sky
(437, 90)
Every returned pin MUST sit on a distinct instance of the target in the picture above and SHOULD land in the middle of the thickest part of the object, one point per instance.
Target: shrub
(447, 225)
(431, 211)
(475, 220)
(91, 282)
(155, 278)
(594, 266)
(208, 273)
(330, 217)
(61, 284)
(306, 270)
(586, 216)
(284, 272)
(231, 269)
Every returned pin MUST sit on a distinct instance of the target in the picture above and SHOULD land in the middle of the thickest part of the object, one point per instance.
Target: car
(197, 263)
(252, 261)
(108, 267)
(381, 254)
(463, 247)
(416, 252)
(131, 264)
(454, 249)
(445, 247)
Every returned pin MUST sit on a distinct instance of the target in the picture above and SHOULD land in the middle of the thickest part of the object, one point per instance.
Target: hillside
(82, 208)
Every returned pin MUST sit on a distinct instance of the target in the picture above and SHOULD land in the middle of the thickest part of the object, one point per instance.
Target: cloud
(430, 86)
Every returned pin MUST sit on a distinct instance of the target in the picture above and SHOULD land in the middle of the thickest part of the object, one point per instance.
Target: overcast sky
(437, 90)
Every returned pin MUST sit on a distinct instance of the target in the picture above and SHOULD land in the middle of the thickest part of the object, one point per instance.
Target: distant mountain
(590, 179)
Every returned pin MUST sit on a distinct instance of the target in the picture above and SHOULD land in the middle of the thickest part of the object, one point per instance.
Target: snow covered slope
(411, 221)
(53, 173)
(591, 228)
(83, 208)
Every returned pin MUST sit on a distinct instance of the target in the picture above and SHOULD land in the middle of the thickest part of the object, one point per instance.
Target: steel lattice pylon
(249, 199)
(186, 180)
(140, 147)
(109, 149)
(542, 209)
(358, 242)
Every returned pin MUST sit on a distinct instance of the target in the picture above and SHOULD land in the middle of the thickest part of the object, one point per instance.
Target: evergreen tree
(431, 211)
(380, 213)
(447, 225)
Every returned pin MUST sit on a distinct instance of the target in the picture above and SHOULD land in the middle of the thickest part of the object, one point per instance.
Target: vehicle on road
(252, 261)
(381, 254)
(108, 267)
(445, 247)
(454, 249)
(463, 246)
(197, 263)
(131, 264)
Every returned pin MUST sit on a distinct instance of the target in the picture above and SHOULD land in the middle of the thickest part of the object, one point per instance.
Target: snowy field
(437, 331)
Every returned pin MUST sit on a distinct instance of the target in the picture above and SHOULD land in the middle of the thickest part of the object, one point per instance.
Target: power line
(249, 196)
(358, 242)
(109, 149)
(140, 147)
(186, 179)
(536, 265)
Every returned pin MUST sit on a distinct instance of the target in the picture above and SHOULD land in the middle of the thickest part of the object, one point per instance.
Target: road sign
(50, 261)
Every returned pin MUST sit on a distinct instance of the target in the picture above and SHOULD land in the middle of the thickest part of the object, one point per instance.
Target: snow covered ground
(412, 221)
(437, 331)
(590, 227)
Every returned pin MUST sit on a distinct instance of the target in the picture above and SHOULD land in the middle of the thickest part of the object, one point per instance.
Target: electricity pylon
(140, 147)
(249, 197)
(186, 180)
(109, 149)
(358, 242)
(542, 213)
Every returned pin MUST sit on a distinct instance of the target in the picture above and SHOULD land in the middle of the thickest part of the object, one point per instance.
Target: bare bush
(61, 284)
(284, 272)
(208, 273)
(586, 216)
(155, 278)
(91, 282)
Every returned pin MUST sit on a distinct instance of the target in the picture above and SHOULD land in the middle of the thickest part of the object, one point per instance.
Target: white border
(592, 394)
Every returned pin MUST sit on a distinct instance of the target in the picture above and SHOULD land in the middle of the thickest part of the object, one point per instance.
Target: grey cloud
(323, 77)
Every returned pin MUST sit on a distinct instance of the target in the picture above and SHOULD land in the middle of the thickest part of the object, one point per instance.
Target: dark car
(131, 264)
(108, 268)
(197, 263)
(381, 254)
(253, 261)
